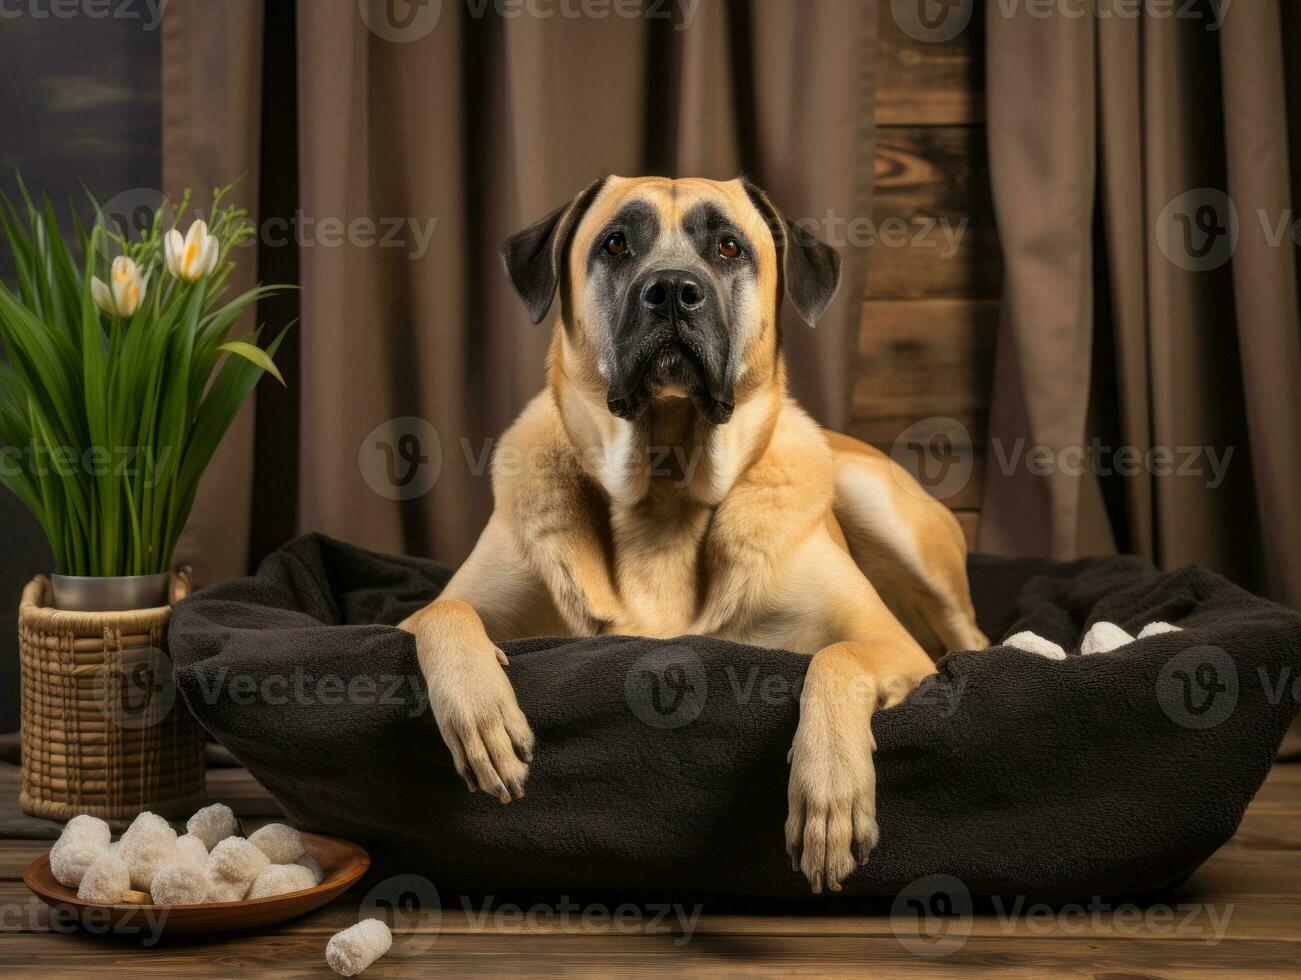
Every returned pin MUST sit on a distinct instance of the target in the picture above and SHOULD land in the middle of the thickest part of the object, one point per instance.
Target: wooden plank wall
(926, 345)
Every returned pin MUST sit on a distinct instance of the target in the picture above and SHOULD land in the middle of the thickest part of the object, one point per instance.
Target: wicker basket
(104, 731)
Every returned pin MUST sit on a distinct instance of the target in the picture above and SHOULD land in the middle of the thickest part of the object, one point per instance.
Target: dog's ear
(535, 257)
(810, 268)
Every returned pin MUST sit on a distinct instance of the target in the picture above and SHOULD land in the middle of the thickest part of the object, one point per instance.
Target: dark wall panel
(79, 102)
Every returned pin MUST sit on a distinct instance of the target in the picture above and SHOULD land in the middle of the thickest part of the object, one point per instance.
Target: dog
(664, 483)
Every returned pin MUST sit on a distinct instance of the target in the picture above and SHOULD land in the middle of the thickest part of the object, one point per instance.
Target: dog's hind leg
(908, 545)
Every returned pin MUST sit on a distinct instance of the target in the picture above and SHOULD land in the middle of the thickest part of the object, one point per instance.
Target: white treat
(105, 880)
(179, 884)
(312, 865)
(357, 947)
(279, 842)
(85, 829)
(1103, 637)
(70, 861)
(190, 850)
(144, 823)
(151, 847)
(83, 840)
(236, 859)
(213, 824)
(220, 890)
(281, 879)
(237, 863)
(1153, 629)
(1034, 643)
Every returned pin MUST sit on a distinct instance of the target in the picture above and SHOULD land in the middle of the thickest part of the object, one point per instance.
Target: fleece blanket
(661, 765)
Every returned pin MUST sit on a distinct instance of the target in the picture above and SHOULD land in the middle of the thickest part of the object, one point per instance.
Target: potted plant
(117, 383)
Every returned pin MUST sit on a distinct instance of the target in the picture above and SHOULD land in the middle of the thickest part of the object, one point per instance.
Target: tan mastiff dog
(664, 484)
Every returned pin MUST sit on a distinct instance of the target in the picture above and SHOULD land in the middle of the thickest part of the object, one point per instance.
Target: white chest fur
(658, 564)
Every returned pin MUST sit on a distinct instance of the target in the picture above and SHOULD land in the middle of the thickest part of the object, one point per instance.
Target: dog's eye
(616, 244)
(729, 248)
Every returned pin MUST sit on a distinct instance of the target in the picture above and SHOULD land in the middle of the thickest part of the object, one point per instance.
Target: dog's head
(671, 288)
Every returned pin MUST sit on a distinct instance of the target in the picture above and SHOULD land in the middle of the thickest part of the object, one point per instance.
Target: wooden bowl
(342, 863)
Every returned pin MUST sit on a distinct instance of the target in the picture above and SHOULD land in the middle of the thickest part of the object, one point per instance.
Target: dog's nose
(673, 288)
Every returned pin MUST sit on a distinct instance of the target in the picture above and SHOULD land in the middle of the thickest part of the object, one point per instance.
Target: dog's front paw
(475, 707)
(485, 730)
(831, 798)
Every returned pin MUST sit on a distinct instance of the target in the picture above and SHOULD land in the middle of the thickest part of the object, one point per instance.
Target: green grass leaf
(107, 423)
(255, 354)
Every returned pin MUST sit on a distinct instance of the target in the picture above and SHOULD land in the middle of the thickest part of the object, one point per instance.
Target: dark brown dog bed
(661, 765)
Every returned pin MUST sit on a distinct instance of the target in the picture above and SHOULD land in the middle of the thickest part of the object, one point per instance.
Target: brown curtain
(457, 130)
(212, 94)
(1145, 204)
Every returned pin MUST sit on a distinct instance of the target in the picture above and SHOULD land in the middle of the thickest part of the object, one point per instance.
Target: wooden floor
(1240, 915)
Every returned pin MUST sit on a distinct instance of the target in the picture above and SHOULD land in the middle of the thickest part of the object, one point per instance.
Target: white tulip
(194, 256)
(100, 292)
(128, 289)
